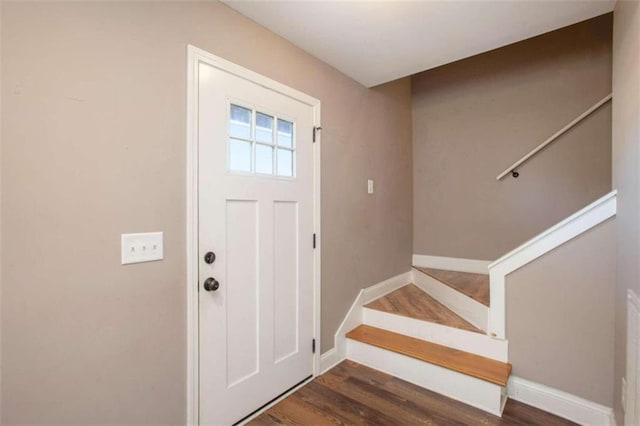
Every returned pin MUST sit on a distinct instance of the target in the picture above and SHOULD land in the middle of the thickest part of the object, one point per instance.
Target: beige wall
(560, 316)
(93, 133)
(626, 174)
(474, 118)
(0, 211)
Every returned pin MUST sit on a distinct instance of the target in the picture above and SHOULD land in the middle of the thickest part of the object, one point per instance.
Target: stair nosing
(353, 334)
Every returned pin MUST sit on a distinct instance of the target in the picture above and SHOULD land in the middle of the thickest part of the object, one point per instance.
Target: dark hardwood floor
(352, 394)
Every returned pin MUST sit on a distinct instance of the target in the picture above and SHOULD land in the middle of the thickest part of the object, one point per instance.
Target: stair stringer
(567, 229)
(461, 387)
(353, 318)
(470, 310)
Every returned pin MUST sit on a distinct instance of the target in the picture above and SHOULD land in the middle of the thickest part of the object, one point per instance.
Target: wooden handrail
(554, 137)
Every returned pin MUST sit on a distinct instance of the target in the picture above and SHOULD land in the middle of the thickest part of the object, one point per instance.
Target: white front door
(256, 204)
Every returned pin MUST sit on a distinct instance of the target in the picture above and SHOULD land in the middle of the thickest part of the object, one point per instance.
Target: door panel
(241, 287)
(285, 274)
(255, 180)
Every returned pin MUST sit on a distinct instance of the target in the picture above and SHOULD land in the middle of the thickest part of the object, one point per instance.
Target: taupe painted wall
(626, 174)
(560, 316)
(474, 118)
(93, 133)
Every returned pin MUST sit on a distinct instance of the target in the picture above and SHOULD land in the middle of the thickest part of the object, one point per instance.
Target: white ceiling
(374, 42)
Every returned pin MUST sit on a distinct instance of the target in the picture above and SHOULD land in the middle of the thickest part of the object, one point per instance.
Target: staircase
(446, 331)
(432, 332)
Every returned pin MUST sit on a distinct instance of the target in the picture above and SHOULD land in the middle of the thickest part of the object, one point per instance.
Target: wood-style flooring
(410, 301)
(476, 286)
(352, 394)
(467, 363)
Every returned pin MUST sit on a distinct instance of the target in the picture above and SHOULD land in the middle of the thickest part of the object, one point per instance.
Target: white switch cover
(370, 186)
(143, 247)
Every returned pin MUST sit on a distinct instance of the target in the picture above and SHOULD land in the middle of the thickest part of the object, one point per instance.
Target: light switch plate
(370, 186)
(142, 247)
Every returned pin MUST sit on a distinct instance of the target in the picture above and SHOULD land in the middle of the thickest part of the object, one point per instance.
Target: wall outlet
(624, 394)
(142, 247)
(370, 186)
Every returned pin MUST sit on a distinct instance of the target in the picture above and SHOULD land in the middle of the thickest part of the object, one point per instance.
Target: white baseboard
(470, 310)
(328, 360)
(354, 315)
(470, 390)
(452, 263)
(560, 403)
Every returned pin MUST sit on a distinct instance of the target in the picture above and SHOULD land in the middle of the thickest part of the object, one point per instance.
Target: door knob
(211, 284)
(210, 257)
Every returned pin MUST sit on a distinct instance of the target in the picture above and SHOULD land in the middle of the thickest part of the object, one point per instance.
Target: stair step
(475, 286)
(456, 338)
(482, 368)
(412, 302)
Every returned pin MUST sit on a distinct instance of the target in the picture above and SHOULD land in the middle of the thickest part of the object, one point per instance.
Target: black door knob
(210, 257)
(211, 284)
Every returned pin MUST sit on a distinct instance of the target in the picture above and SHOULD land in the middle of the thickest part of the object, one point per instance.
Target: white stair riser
(468, 341)
(474, 312)
(469, 390)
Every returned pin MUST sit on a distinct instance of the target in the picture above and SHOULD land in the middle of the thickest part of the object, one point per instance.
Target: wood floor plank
(350, 368)
(517, 413)
(467, 363)
(344, 407)
(389, 402)
(412, 302)
(475, 286)
(333, 377)
(295, 411)
(267, 419)
(453, 411)
(384, 399)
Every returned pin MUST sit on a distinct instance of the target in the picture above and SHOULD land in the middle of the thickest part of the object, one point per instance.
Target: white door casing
(631, 400)
(250, 340)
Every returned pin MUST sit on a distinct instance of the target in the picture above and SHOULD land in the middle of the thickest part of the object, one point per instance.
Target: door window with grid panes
(260, 143)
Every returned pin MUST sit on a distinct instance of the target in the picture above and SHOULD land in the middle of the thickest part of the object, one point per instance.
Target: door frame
(195, 56)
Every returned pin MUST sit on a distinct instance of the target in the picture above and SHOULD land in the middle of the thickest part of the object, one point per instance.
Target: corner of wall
(625, 174)
(1, 3)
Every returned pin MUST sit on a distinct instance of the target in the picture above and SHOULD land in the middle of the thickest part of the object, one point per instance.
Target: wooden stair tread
(412, 302)
(473, 365)
(475, 286)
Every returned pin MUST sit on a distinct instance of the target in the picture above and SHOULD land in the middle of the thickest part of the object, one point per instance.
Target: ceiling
(374, 42)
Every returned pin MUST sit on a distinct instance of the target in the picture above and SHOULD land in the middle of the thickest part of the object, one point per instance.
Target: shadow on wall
(477, 116)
